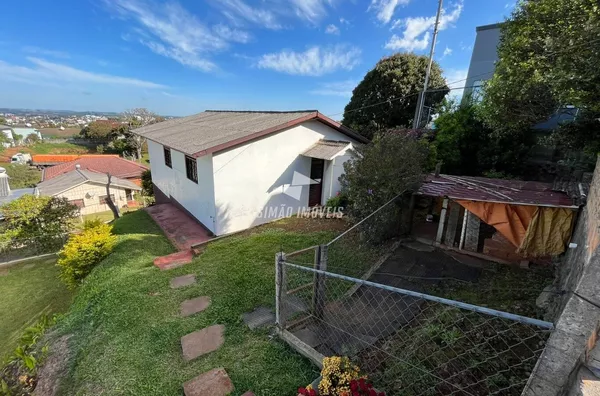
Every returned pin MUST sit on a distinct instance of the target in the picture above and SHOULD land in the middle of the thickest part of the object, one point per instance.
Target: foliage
(2, 120)
(339, 201)
(18, 138)
(41, 222)
(19, 375)
(466, 146)
(394, 80)
(22, 176)
(582, 134)
(100, 148)
(547, 55)
(391, 165)
(31, 139)
(137, 118)
(147, 186)
(100, 130)
(84, 251)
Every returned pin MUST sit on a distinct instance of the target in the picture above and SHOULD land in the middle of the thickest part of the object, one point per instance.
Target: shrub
(147, 186)
(339, 201)
(84, 251)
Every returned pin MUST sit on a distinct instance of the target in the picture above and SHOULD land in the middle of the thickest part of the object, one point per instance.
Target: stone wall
(575, 307)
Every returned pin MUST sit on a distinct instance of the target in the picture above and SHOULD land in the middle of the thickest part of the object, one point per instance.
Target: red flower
(312, 392)
(372, 392)
(353, 386)
(303, 391)
(362, 384)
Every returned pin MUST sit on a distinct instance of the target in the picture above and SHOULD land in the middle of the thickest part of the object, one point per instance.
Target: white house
(8, 132)
(234, 170)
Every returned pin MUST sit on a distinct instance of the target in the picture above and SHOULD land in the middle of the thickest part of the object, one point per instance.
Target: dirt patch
(54, 368)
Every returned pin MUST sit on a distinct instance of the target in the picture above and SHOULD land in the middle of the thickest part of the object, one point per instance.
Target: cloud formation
(385, 8)
(332, 29)
(337, 88)
(44, 72)
(416, 35)
(42, 51)
(315, 61)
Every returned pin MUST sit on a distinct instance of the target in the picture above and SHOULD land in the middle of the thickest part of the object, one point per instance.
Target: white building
(8, 132)
(235, 170)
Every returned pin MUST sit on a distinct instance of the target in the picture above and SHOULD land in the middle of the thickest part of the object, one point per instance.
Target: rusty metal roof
(516, 192)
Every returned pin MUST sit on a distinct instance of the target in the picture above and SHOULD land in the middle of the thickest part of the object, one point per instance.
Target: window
(191, 169)
(168, 157)
(104, 201)
(128, 194)
(77, 202)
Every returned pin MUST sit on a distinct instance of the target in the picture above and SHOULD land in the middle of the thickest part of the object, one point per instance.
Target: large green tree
(387, 96)
(101, 130)
(548, 56)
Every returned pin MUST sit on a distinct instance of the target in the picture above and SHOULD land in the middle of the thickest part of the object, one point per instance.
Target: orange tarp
(511, 221)
(533, 230)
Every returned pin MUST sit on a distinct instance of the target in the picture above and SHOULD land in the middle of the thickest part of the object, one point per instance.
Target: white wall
(91, 193)
(9, 135)
(198, 199)
(253, 178)
(333, 170)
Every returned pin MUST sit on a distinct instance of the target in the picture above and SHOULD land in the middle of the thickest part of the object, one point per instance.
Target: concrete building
(235, 170)
(483, 58)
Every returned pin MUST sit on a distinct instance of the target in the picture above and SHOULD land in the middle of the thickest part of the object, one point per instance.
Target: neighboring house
(8, 132)
(483, 65)
(113, 164)
(234, 170)
(87, 190)
(27, 131)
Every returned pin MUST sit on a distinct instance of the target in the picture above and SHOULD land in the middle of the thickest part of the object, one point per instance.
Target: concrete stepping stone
(202, 342)
(212, 383)
(174, 260)
(195, 305)
(249, 393)
(182, 281)
(260, 317)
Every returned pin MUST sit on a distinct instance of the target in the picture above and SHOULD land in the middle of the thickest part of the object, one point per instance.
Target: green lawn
(126, 325)
(106, 215)
(27, 291)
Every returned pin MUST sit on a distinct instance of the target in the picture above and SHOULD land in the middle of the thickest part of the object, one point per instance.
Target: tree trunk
(109, 201)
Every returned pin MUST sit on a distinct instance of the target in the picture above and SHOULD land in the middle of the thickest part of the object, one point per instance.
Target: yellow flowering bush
(84, 251)
(336, 375)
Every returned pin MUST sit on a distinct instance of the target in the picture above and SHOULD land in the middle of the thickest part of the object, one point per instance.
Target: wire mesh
(410, 343)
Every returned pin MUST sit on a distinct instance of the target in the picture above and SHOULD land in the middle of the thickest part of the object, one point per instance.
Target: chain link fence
(351, 298)
(21, 248)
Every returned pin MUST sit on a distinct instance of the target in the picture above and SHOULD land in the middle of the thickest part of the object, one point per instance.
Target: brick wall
(575, 309)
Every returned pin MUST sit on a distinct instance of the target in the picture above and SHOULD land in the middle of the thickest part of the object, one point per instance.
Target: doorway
(316, 187)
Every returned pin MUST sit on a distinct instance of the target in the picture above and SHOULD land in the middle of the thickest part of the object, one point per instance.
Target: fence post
(280, 287)
(319, 296)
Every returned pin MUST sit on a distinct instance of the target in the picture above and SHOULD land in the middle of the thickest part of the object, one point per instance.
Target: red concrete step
(174, 260)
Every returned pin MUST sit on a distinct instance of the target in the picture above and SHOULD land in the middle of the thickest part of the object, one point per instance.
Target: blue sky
(182, 57)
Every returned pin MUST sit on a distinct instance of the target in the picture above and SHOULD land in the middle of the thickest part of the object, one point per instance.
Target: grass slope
(28, 290)
(126, 325)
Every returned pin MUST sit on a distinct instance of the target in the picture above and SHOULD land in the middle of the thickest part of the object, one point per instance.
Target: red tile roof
(514, 192)
(115, 165)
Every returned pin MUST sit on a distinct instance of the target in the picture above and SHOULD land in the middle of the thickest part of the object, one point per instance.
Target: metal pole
(421, 101)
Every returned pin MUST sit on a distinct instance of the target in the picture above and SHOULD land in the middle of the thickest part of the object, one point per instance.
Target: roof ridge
(261, 111)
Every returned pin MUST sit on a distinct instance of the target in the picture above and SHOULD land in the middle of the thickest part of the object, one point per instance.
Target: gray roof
(217, 130)
(15, 194)
(66, 181)
(325, 149)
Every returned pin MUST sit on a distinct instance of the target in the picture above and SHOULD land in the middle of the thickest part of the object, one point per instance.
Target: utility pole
(421, 100)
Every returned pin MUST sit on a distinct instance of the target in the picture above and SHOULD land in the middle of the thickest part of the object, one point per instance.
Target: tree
(137, 118)
(40, 222)
(396, 81)
(548, 56)
(2, 120)
(109, 200)
(31, 139)
(147, 185)
(467, 146)
(22, 176)
(100, 130)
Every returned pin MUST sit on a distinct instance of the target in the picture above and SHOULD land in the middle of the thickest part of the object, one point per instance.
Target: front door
(316, 188)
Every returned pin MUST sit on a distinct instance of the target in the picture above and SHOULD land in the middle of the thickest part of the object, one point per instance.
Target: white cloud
(332, 29)
(170, 30)
(45, 72)
(238, 11)
(416, 33)
(315, 61)
(339, 88)
(47, 52)
(310, 10)
(344, 21)
(385, 8)
(447, 52)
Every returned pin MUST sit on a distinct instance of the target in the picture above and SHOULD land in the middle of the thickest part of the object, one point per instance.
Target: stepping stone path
(212, 383)
(202, 342)
(195, 305)
(182, 281)
(260, 317)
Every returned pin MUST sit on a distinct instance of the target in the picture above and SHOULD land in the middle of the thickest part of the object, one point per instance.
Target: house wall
(9, 135)
(91, 193)
(255, 181)
(484, 56)
(198, 199)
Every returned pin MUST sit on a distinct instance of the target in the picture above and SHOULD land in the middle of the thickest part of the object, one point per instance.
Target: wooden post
(463, 232)
(440, 232)
(280, 290)
(411, 213)
(319, 294)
